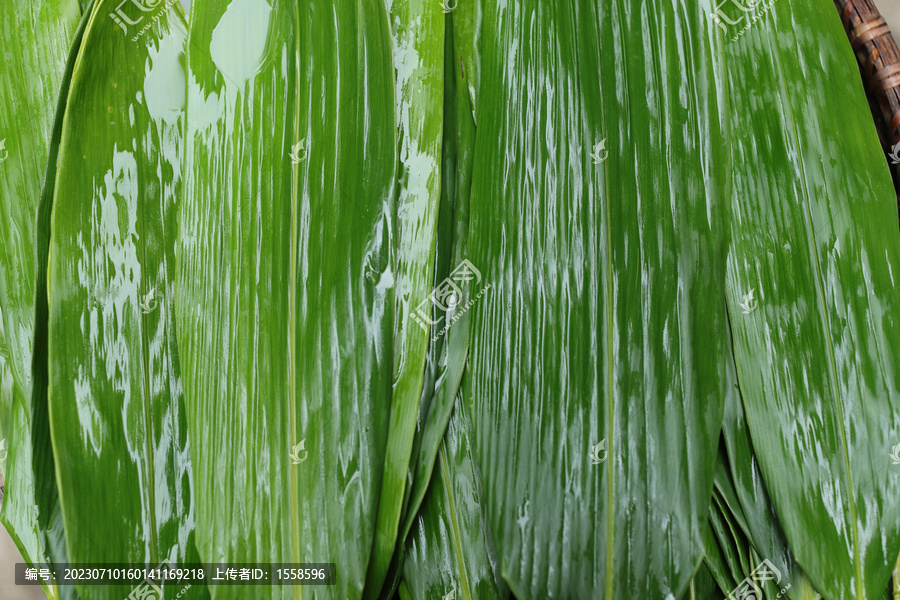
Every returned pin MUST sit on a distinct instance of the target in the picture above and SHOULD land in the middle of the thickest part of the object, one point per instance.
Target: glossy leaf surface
(740, 483)
(449, 341)
(37, 39)
(286, 288)
(418, 39)
(450, 548)
(116, 418)
(812, 296)
(597, 216)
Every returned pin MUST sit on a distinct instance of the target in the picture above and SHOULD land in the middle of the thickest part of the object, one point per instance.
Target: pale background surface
(9, 554)
(890, 9)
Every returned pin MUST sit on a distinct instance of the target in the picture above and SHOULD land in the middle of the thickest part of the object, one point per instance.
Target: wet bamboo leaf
(812, 296)
(450, 549)
(597, 357)
(448, 347)
(468, 17)
(38, 37)
(116, 418)
(703, 586)
(286, 289)
(418, 37)
(740, 483)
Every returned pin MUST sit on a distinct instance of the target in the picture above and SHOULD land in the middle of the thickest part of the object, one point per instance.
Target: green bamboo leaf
(714, 558)
(703, 586)
(286, 287)
(35, 68)
(449, 345)
(738, 568)
(450, 552)
(468, 17)
(49, 513)
(418, 36)
(735, 549)
(601, 232)
(116, 418)
(735, 562)
(811, 294)
(740, 483)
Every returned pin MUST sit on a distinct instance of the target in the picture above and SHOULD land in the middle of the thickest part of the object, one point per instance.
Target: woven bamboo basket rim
(879, 62)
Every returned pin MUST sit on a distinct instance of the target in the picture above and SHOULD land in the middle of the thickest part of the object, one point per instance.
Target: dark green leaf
(818, 346)
(605, 321)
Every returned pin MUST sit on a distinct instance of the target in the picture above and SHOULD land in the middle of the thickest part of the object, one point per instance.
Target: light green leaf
(467, 30)
(597, 216)
(817, 345)
(116, 418)
(418, 35)
(449, 343)
(36, 46)
(286, 286)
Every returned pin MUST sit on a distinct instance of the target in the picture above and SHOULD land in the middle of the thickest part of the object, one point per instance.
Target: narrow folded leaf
(812, 296)
(286, 292)
(450, 550)
(597, 357)
(468, 17)
(418, 36)
(116, 418)
(449, 341)
(739, 481)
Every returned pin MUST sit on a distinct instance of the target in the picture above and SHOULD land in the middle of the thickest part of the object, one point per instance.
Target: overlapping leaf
(448, 345)
(450, 549)
(418, 36)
